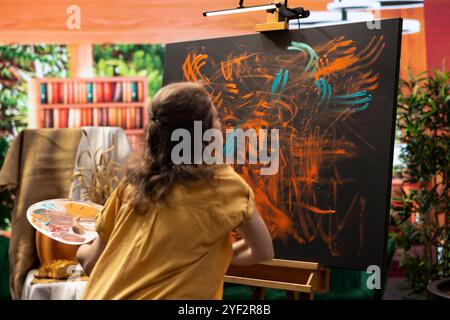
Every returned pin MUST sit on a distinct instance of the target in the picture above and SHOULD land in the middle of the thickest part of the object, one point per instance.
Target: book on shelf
(72, 92)
(73, 103)
(128, 118)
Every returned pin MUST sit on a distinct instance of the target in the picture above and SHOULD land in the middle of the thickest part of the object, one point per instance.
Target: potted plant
(422, 209)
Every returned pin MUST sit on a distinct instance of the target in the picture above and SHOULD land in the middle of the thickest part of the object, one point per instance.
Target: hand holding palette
(54, 218)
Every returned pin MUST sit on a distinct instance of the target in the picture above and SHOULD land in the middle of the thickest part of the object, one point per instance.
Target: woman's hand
(76, 227)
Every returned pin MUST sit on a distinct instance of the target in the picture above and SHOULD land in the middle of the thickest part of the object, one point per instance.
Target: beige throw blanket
(39, 166)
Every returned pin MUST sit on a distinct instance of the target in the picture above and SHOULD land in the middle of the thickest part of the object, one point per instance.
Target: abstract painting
(331, 92)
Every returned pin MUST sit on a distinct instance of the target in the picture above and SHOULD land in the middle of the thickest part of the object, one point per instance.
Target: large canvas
(331, 92)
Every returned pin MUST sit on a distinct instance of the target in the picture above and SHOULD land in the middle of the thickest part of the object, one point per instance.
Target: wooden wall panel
(127, 21)
(159, 21)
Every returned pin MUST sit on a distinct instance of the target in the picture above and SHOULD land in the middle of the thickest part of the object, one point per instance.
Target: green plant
(131, 60)
(422, 210)
(18, 63)
(6, 196)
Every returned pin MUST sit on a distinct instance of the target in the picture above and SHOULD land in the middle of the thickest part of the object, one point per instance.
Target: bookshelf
(78, 102)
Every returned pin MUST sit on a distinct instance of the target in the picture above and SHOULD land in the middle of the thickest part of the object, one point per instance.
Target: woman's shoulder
(226, 171)
(225, 185)
(236, 197)
(228, 178)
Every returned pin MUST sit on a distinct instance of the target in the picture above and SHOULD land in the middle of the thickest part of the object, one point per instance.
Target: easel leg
(258, 293)
(305, 296)
(292, 295)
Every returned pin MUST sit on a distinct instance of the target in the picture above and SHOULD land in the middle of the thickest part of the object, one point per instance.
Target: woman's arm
(256, 245)
(87, 254)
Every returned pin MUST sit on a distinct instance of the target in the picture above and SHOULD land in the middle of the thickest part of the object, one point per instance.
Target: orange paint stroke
(317, 210)
(226, 67)
(192, 66)
(216, 98)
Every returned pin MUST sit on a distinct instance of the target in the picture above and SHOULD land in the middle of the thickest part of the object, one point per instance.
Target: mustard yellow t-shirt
(179, 249)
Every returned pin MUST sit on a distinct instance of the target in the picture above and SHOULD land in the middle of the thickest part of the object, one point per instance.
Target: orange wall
(437, 25)
(414, 50)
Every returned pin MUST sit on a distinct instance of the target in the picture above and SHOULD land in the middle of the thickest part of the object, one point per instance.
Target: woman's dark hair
(152, 173)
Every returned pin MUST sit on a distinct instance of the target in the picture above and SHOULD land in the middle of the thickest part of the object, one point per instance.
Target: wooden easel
(299, 279)
(274, 22)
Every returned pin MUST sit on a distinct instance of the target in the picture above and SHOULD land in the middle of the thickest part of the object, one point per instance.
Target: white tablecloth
(64, 290)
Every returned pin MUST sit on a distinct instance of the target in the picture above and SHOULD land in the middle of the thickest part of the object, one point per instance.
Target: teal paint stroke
(358, 109)
(305, 49)
(368, 98)
(277, 80)
(324, 90)
(285, 80)
(355, 102)
(352, 100)
(352, 95)
(276, 83)
(324, 86)
(227, 147)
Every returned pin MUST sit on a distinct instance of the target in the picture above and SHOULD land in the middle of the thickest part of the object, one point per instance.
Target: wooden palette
(54, 217)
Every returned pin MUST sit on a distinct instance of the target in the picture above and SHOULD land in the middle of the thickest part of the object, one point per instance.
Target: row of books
(125, 117)
(91, 92)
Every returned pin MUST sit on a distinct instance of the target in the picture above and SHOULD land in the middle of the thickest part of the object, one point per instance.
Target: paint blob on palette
(54, 218)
